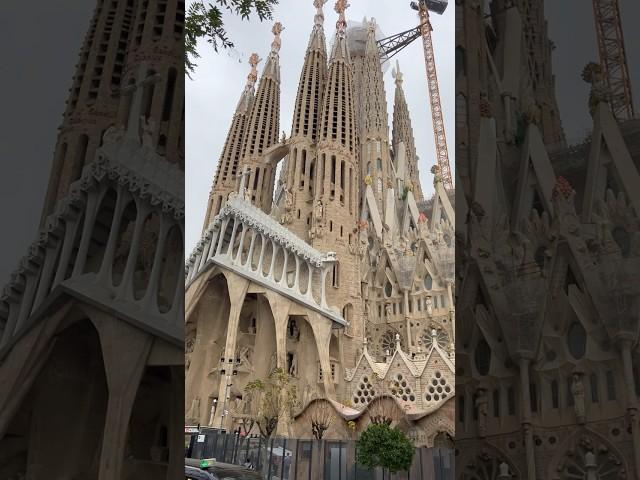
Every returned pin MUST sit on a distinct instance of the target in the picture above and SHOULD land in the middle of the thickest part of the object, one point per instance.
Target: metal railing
(297, 459)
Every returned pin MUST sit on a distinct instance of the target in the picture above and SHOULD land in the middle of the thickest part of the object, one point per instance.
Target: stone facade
(330, 272)
(91, 324)
(547, 352)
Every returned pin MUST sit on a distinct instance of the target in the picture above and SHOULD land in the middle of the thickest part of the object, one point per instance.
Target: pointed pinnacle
(276, 30)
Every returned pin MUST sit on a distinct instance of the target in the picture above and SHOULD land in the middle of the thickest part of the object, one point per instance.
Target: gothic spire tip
(319, 17)
(276, 30)
(254, 59)
(341, 24)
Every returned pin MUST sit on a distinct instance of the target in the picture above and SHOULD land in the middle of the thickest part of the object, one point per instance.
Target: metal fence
(291, 459)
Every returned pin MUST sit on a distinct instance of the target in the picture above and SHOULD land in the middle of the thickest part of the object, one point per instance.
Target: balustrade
(281, 256)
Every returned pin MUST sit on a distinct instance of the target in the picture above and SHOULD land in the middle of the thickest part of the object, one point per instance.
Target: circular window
(577, 340)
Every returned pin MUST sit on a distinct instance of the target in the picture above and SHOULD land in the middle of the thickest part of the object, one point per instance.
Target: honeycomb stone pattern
(438, 389)
(365, 392)
(401, 389)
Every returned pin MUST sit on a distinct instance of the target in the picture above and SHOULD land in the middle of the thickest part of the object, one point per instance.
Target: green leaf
(386, 447)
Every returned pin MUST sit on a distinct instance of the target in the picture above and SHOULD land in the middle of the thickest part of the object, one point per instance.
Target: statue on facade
(577, 390)
(318, 215)
(189, 345)
(482, 407)
(429, 304)
(293, 330)
(293, 368)
(387, 311)
(148, 126)
(273, 363)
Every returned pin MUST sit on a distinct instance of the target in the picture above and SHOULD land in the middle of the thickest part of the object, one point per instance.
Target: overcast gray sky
(39, 45)
(571, 27)
(212, 95)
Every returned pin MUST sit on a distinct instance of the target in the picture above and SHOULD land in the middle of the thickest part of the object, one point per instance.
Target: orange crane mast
(612, 55)
(391, 45)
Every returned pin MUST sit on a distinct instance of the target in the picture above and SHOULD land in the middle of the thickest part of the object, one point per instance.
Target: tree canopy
(382, 446)
(205, 21)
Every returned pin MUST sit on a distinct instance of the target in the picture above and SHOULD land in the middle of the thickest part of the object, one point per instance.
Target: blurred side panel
(548, 250)
(92, 317)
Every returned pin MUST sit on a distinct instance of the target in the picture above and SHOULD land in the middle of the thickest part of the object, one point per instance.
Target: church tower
(263, 127)
(123, 38)
(403, 133)
(336, 191)
(225, 179)
(300, 173)
(375, 162)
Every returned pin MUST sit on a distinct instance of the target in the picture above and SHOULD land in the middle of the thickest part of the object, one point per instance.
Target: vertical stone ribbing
(403, 132)
(263, 126)
(336, 188)
(300, 169)
(225, 178)
(373, 119)
(122, 36)
(91, 106)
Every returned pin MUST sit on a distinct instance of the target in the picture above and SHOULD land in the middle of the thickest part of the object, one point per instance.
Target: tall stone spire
(372, 112)
(299, 176)
(122, 38)
(225, 178)
(263, 127)
(333, 225)
(403, 132)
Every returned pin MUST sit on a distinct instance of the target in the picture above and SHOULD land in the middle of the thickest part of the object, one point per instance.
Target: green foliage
(276, 397)
(205, 21)
(386, 447)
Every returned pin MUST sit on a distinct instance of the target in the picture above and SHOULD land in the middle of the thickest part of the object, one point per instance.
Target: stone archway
(486, 464)
(72, 384)
(586, 452)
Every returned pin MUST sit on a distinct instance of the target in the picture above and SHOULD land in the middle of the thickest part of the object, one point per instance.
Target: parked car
(193, 473)
(209, 469)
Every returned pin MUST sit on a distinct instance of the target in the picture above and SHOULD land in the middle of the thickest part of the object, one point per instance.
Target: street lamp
(233, 365)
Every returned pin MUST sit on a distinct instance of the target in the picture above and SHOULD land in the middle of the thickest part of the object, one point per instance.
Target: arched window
(482, 357)
(460, 62)
(577, 340)
(461, 111)
(428, 282)
(388, 289)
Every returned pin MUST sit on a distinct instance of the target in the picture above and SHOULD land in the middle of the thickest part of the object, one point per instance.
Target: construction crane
(612, 55)
(390, 46)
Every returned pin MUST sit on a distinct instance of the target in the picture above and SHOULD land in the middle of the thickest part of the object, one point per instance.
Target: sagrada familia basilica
(335, 270)
(547, 247)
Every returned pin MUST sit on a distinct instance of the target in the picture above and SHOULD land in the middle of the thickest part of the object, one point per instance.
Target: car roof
(198, 474)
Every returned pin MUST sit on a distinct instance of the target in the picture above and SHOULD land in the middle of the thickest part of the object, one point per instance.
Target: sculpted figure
(577, 390)
(148, 126)
(482, 406)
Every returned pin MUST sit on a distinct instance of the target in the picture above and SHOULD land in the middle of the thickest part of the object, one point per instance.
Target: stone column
(125, 352)
(526, 418)
(632, 401)
(280, 307)
(237, 287)
(321, 327)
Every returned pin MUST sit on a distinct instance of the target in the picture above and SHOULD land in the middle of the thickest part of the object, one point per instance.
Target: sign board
(188, 430)
(200, 438)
